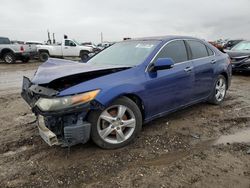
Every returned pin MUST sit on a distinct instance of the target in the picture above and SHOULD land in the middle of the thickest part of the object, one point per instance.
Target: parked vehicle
(104, 45)
(34, 43)
(240, 55)
(231, 43)
(93, 46)
(11, 52)
(124, 86)
(68, 48)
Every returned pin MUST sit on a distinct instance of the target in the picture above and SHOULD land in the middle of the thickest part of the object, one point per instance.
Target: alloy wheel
(220, 89)
(116, 124)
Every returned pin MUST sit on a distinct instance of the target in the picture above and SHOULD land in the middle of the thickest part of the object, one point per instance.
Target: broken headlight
(61, 103)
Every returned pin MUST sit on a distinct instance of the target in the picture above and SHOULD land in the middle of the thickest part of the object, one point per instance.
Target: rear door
(170, 89)
(204, 62)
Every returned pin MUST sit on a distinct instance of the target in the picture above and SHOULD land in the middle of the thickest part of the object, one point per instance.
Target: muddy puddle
(242, 136)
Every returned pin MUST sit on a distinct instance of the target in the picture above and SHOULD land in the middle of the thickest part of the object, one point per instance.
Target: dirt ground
(178, 150)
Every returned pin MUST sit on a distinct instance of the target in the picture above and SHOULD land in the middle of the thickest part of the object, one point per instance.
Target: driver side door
(70, 49)
(170, 89)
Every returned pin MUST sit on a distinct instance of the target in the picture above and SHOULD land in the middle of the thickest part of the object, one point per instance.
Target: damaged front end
(60, 120)
(64, 116)
(241, 64)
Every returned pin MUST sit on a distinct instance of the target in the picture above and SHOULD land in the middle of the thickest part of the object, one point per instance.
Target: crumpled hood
(57, 68)
(233, 54)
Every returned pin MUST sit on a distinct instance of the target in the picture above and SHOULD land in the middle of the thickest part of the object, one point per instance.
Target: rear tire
(219, 91)
(84, 56)
(9, 58)
(117, 125)
(43, 56)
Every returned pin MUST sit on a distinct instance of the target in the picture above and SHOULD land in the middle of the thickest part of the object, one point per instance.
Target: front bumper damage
(241, 64)
(65, 128)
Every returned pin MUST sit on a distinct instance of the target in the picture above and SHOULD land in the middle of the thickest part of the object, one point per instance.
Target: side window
(69, 43)
(66, 43)
(175, 50)
(4, 41)
(198, 49)
(210, 52)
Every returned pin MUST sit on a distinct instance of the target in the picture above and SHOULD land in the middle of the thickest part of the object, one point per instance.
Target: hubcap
(220, 89)
(116, 124)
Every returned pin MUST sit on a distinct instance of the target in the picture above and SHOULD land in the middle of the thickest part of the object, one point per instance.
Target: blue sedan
(132, 82)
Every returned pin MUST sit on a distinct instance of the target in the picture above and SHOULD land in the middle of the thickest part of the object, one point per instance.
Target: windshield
(129, 53)
(76, 42)
(242, 46)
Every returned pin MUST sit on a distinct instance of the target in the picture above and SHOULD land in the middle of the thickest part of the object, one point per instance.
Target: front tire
(219, 90)
(117, 125)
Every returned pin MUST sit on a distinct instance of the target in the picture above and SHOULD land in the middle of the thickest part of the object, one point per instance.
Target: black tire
(43, 56)
(84, 56)
(93, 118)
(213, 99)
(9, 58)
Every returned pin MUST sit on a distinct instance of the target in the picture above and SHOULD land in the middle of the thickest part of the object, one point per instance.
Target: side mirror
(162, 64)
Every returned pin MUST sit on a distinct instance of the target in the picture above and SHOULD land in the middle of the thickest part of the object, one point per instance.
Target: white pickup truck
(68, 48)
(11, 52)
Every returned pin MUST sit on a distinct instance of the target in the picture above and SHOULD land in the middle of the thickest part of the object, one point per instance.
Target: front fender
(107, 96)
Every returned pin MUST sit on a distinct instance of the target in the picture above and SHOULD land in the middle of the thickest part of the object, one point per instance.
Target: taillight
(22, 49)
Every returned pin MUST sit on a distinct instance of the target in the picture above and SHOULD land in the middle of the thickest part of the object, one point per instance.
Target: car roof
(165, 38)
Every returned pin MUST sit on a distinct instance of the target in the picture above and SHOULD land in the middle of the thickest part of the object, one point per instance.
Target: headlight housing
(61, 103)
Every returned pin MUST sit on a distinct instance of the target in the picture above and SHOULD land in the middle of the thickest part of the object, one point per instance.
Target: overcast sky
(84, 20)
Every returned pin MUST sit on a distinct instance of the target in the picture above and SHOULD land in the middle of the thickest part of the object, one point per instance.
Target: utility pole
(101, 38)
(54, 40)
(49, 40)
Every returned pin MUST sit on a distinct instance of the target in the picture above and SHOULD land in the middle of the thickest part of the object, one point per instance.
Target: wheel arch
(226, 76)
(43, 50)
(83, 51)
(132, 96)
(138, 101)
(4, 51)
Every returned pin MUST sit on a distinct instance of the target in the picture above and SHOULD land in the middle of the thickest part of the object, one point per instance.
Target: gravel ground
(179, 150)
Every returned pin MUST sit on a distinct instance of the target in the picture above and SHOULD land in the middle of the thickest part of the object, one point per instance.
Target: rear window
(175, 50)
(4, 41)
(210, 52)
(198, 49)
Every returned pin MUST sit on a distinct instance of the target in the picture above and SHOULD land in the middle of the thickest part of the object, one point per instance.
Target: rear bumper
(67, 127)
(22, 55)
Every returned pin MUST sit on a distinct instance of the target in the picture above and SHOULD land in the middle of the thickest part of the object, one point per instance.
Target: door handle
(213, 61)
(65, 47)
(188, 69)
